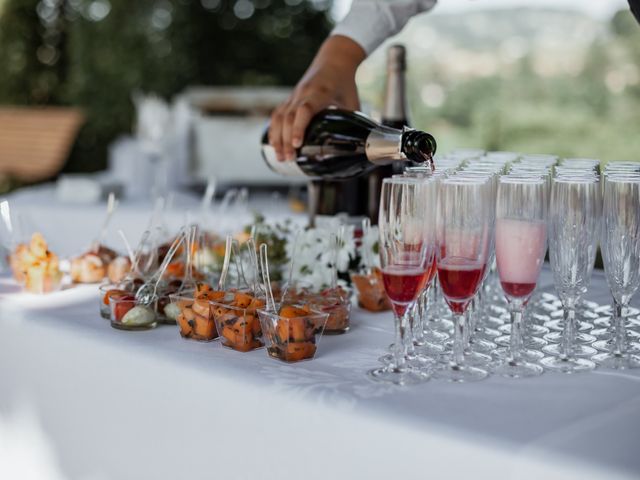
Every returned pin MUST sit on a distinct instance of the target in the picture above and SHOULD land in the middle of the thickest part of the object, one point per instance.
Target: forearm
(338, 54)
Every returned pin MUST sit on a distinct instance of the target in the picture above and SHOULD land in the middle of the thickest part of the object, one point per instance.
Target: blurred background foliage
(526, 80)
(95, 53)
(536, 80)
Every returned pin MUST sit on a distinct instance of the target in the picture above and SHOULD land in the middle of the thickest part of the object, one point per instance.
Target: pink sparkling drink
(520, 249)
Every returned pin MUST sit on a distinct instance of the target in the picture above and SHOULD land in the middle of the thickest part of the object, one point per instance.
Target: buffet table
(83, 400)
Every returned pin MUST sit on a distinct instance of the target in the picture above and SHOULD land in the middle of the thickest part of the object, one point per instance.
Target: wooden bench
(35, 141)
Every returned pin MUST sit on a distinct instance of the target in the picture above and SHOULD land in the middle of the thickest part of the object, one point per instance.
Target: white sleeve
(371, 22)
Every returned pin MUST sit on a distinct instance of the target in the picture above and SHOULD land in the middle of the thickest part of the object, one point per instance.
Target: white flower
(368, 250)
(315, 253)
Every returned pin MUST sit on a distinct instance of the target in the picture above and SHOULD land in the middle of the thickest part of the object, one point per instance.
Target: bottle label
(288, 169)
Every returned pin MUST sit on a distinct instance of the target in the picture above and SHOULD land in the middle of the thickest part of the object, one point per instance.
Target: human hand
(329, 81)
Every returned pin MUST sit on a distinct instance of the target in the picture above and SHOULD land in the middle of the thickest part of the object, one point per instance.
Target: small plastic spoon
(112, 204)
(294, 250)
(225, 263)
(366, 253)
(187, 281)
(147, 293)
(127, 245)
(264, 262)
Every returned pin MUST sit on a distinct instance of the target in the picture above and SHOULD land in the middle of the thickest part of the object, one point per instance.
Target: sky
(597, 8)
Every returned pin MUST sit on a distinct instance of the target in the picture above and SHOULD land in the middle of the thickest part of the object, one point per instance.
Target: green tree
(95, 53)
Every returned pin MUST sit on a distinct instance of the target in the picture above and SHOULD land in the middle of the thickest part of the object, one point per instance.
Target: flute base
(434, 336)
(528, 342)
(531, 329)
(609, 346)
(418, 359)
(476, 359)
(399, 375)
(429, 349)
(526, 354)
(582, 351)
(517, 369)
(456, 373)
(482, 346)
(556, 337)
(618, 361)
(567, 365)
(558, 325)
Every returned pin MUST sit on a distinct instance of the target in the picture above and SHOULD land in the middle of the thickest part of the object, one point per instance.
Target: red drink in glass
(403, 284)
(518, 290)
(459, 280)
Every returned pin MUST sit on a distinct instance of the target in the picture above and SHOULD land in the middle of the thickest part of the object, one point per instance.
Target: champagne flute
(621, 257)
(463, 239)
(427, 341)
(521, 232)
(406, 255)
(573, 232)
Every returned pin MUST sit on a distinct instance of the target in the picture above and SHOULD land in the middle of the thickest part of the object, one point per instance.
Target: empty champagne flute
(521, 236)
(463, 239)
(574, 214)
(406, 256)
(621, 257)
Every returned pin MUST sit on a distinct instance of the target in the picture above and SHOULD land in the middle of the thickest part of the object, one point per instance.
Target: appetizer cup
(371, 294)
(126, 314)
(238, 322)
(195, 318)
(105, 295)
(337, 303)
(292, 332)
(108, 291)
(165, 313)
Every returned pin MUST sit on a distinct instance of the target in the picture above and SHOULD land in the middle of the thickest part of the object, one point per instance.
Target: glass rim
(312, 313)
(230, 307)
(522, 180)
(576, 179)
(623, 178)
(459, 180)
(399, 179)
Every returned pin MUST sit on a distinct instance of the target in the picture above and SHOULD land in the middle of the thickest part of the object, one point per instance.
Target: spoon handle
(209, 193)
(294, 251)
(191, 243)
(366, 253)
(264, 262)
(225, 263)
(238, 263)
(139, 250)
(336, 241)
(172, 251)
(112, 204)
(253, 257)
(127, 245)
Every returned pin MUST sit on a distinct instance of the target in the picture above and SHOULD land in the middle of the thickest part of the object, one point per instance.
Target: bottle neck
(395, 101)
(386, 145)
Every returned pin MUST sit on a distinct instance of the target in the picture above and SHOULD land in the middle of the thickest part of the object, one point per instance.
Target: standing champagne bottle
(340, 144)
(394, 115)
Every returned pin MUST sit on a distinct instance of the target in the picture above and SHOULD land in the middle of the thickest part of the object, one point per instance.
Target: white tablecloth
(89, 402)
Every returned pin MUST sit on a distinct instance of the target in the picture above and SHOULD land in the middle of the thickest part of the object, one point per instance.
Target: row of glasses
(406, 249)
(620, 247)
(483, 308)
(519, 196)
(463, 243)
(521, 231)
(573, 239)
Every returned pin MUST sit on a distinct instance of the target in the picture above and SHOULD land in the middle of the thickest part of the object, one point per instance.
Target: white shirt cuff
(371, 22)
